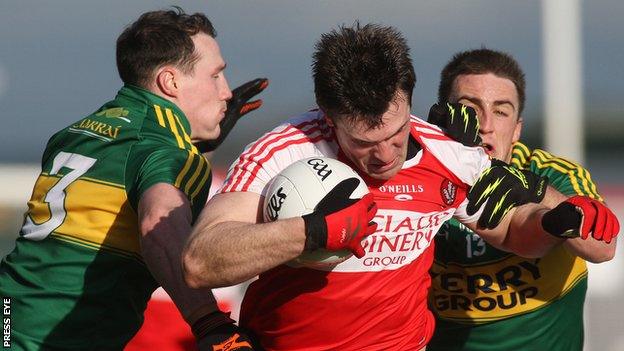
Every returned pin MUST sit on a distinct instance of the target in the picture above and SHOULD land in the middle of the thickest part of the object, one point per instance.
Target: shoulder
(465, 162)
(567, 176)
(304, 136)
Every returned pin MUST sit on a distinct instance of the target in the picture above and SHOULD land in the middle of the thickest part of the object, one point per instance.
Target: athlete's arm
(165, 223)
(590, 249)
(520, 232)
(229, 245)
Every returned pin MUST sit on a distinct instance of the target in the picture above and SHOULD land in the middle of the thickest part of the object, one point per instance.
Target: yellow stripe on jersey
(120, 186)
(201, 184)
(186, 136)
(574, 171)
(520, 155)
(174, 128)
(38, 209)
(185, 169)
(159, 116)
(200, 170)
(201, 165)
(109, 223)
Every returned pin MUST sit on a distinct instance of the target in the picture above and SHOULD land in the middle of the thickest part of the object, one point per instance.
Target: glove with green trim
(501, 188)
(458, 121)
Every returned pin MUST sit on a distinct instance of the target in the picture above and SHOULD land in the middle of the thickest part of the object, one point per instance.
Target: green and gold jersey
(488, 299)
(76, 277)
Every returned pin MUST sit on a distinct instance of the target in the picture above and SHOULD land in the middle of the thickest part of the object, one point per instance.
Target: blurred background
(57, 64)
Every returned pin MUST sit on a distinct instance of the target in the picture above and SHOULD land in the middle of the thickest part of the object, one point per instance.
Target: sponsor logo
(320, 167)
(116, 112)
(448, 190)
(275, 204)
(232, 343)
(504, 289)
(402, 188)
(97, 128)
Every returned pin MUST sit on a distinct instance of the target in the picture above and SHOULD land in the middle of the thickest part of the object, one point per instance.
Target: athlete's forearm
(520, 232)
(164, 219)
(229, 253)
(526, 236)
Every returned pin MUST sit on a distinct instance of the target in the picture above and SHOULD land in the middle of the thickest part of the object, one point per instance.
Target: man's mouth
(489, 148)
(385, 166)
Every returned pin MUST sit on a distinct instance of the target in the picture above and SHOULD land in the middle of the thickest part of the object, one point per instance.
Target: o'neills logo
(402, 188)
(448, 190)
(275, 204)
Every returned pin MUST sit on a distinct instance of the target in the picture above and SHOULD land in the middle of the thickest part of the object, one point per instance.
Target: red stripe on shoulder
(315, 134)
(304, 130)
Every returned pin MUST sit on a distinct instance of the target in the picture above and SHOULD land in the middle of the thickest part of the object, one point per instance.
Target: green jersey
(76, 278)
(487, 299)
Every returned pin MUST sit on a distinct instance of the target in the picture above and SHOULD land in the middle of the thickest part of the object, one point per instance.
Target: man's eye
(502, 113)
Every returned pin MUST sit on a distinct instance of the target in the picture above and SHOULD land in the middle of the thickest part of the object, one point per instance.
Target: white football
(297, 189)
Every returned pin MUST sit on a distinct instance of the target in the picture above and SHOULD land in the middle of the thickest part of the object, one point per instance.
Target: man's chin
(383, 175)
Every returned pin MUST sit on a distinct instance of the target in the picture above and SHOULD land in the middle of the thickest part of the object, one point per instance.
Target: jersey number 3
(55, 197)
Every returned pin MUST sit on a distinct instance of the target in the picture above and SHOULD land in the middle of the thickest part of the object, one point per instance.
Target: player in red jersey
(418, 178)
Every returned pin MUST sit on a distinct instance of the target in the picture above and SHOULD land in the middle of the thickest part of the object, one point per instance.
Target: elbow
(194, 276)
(604, 255)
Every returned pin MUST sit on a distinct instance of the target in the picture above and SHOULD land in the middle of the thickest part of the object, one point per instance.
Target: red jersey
(378, 302)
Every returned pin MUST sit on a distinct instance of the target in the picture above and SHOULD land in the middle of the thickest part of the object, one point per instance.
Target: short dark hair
(159, 38)
(482, 61)
(358, 71)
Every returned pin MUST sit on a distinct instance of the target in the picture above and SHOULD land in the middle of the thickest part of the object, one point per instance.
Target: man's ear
(166, 81)
(329, 121)
(518, 130)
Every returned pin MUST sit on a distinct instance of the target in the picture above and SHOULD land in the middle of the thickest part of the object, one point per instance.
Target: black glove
(504, 187)
(339, 222)
(458, 121)
(238, 106)
(217, 332)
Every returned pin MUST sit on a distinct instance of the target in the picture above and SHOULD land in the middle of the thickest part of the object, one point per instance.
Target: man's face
(203, 92)
(379, 152)
(496, 101)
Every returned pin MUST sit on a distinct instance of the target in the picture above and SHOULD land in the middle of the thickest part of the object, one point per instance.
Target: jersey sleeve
(568, 177)
(186, 170)
(263, 159)
(465, 163)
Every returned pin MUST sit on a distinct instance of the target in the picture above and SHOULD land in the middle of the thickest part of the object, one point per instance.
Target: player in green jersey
(118, 193)
(488, 299)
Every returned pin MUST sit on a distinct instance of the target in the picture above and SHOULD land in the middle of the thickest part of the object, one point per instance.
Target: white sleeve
(467, 163)
(263, 159)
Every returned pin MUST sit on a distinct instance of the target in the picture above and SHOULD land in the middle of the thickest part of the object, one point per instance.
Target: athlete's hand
(458, 121)
(339, 222)
(217, 332)
(503, 187)
(581, 215)
(238, 106)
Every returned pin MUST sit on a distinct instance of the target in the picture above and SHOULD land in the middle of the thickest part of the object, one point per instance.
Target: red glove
(339, 222)
(582, 214)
